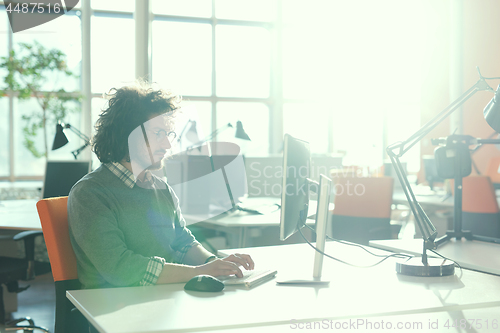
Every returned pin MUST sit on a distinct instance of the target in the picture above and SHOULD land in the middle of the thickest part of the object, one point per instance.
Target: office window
(256, 10)
(353, 61)
(113, 52)
(243, 57)
(4, 28)
(255, 120)
(199, 111)
(25, 163)
(182, 58)
(113, 5)
(4, 136)
(193, 8)
(4, 101)
(309, 122)
(62, 33)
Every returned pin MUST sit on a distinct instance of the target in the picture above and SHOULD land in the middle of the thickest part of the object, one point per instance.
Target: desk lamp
(453, 161)
(60, 138)
(239, 134)
(191, 134)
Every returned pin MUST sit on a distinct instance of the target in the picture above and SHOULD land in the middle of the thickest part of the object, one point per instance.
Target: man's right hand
(219, 267)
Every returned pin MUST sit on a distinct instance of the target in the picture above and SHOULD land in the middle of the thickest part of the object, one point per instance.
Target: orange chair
(362, 208)
(53, 214)
(480, 212)
(492, 171)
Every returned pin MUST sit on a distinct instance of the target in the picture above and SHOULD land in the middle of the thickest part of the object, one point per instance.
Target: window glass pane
(255, 121)
(182, 57)
(4, 30)
(198, 111)
(116, 5)
(309, 122)
(255, 10)
(113, 57)
(342, 54)
(198, 8)
(62, 33)
(243, 61)
(360, 134)
(64, 153)
(26, 164)
(4, 136)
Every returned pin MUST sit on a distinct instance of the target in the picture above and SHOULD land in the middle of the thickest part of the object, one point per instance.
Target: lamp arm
(82, 136)
(406, 145)
(210, 136)
(78, 133)
(425, 225)
(397, 150)
(184, 129)
(77, 152)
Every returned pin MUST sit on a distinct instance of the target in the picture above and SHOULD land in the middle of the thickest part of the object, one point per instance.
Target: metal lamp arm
(210, 136)
(81, 136)
(184, 129)
(480, 85)
(78, 133)
(397, 150)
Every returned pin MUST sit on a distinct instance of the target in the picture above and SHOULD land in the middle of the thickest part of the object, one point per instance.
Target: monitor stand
(321, 222)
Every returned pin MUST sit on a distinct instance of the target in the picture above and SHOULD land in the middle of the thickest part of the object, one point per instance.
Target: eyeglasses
(162, 134)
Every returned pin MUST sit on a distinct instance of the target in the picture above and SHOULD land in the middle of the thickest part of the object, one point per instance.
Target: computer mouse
(204, 283)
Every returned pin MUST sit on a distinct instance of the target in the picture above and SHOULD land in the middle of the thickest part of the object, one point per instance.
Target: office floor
(38, 302)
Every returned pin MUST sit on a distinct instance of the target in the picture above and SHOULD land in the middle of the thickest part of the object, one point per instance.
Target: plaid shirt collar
(126, 176)
(123, 173)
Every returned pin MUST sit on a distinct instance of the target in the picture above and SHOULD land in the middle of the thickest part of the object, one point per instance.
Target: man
(125, 224)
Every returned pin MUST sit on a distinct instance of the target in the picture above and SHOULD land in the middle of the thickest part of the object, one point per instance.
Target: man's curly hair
(128, 108)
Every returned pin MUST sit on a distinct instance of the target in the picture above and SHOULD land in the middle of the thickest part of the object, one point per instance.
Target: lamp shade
(240, 132)
(60, 138)
(492, 111)
(192, 133)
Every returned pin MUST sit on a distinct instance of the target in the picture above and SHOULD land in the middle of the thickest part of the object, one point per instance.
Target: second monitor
(295, 203)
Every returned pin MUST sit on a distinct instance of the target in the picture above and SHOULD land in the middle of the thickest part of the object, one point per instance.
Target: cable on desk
(395, 255)
(440, 255)
(360, 246)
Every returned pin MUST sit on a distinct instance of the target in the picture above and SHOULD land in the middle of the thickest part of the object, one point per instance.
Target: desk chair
(53, 214)
(13, 270)
(492, 169)
(480, 212)
(362, 208)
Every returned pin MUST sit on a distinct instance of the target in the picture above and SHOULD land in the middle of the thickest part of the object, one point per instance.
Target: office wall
(480, 47)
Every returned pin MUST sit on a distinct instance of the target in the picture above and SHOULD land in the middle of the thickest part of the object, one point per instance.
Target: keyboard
(249, 279)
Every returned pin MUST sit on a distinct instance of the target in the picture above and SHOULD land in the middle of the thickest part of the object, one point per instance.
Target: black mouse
(204, 283)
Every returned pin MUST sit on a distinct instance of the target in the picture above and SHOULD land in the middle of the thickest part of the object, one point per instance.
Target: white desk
(476, 255)
(19, 215)
(353, 293)
(240, 222)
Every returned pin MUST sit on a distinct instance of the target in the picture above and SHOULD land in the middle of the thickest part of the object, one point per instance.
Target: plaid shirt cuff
(153, 271)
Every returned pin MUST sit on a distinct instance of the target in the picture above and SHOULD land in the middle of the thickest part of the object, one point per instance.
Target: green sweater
(116, 230)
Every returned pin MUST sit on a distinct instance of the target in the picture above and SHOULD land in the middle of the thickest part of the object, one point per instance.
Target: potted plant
(31, 68)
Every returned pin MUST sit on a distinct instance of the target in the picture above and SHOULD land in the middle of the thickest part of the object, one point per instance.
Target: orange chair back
(492, 169)
(478, 195)
(363, 196)
(53, 214)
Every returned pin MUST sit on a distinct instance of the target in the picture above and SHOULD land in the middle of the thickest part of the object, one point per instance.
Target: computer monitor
(295, 203)
(60, 176)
